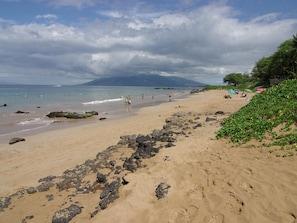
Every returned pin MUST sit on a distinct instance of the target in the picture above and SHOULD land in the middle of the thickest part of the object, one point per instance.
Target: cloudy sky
(75, 41)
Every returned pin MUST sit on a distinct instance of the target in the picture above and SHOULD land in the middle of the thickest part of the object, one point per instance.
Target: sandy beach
(199, 178)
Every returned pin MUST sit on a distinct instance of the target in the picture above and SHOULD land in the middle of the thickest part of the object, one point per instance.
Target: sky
(75, 41)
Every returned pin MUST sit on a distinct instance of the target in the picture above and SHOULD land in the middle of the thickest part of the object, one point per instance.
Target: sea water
(23, 108)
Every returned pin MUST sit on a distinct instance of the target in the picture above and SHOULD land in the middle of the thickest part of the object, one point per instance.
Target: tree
(279, 66)
(260, 72)
(234, 79)
(282, 61)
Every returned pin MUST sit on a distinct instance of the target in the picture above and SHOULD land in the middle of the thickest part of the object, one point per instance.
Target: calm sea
(35, 102)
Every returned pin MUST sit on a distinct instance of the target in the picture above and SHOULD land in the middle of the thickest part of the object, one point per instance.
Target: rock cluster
(198, 90)
(116, 161)
(71, 115)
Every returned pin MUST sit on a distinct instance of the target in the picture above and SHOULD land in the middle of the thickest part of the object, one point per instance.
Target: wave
(36, 121)
(102, 101)
(29, 125)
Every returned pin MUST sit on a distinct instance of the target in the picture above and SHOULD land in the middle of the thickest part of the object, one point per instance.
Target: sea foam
(36, 121)
(102, 101)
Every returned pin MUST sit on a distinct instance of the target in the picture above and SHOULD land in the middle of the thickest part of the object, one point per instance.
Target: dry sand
(210, 180)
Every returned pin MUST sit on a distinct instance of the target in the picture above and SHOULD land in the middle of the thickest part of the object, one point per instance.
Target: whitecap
(102, 101)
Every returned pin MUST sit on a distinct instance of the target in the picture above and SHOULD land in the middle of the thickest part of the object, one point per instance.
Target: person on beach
(128, 103)
(169, 95)
(243, 94)
(129, 100)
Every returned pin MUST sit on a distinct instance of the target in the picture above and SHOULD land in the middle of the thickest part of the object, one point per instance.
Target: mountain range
(145, 80)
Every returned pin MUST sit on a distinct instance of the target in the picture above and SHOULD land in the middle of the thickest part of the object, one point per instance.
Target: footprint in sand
(246, 187)
(218, 218)
(237, 204)
(196, 194)
(248, 171)
(183, 215)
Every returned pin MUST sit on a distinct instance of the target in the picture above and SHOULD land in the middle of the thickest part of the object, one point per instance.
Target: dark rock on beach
(162, 190)
(109, 194)
(65, 215)
(45, 186)
(4, 202)
(101, 178)
(220, 113)
(21, 112)
(110, 167)
(208, 119)
(29, 217)
(31, 190)
(15, 140)
(198, 90)
(71, 115)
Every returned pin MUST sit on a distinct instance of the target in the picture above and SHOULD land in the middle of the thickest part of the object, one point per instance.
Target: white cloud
(203, 44)
(266, 18)
(76, 3)
(112, 14)
(47, 16)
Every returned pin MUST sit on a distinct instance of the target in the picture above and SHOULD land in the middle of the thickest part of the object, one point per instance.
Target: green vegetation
(215, 87)
(281, 65)
(271, 115)
(236, 78)
(241, 87)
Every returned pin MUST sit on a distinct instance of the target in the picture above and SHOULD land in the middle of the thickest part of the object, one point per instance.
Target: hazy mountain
(145, 80)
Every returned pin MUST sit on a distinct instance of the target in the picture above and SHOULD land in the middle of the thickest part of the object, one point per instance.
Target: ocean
(23, 108)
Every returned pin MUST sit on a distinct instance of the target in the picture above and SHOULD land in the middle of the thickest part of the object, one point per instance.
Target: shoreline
(197, 179)
(60, 123)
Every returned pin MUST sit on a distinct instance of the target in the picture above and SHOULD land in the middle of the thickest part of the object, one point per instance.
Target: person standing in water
(128, 103)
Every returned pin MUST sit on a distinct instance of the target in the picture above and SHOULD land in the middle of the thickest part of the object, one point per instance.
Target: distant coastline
(144, 80)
